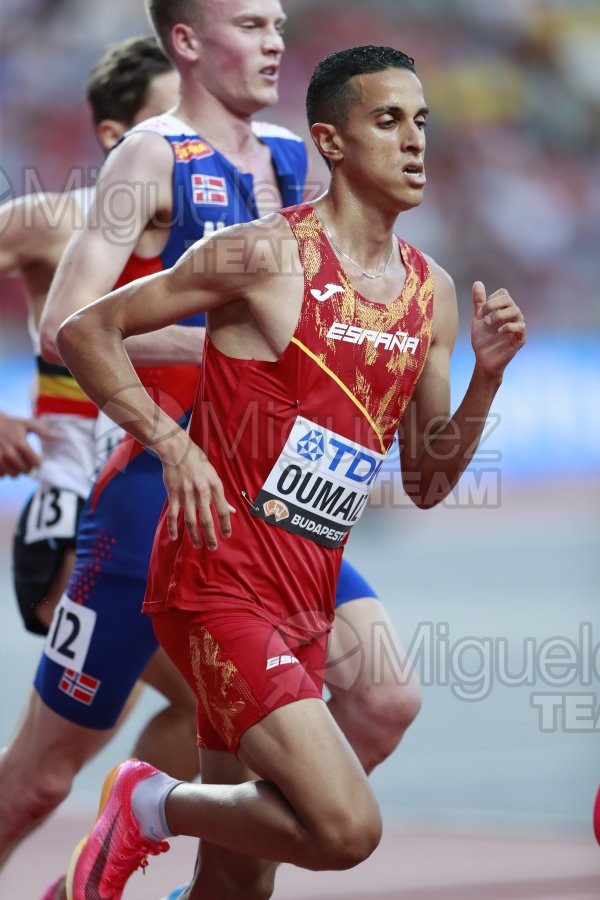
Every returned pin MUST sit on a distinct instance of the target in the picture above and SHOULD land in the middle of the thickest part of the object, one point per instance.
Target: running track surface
(409, 864)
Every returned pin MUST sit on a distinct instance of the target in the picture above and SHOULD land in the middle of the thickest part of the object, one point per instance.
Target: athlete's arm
(211, 274)
(171, 345)
(124, 204)
(92, 341)
(435, 446)
(35, 229)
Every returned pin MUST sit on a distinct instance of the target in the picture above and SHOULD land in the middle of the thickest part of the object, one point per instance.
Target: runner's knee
(386, 712)
(348, 838)
(44, 788)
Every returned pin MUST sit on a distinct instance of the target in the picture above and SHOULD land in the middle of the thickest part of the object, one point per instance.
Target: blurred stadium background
(511, 563)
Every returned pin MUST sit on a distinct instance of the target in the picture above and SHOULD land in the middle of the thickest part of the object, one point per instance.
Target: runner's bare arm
(91, 341)
(35, 229)
(96, 254)
(210, 275)
(435, 446)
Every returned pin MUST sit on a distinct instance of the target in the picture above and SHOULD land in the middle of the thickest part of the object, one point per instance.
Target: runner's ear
(328, 141)
(109, 132)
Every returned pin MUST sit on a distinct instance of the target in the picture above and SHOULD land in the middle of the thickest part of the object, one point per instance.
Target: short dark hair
(165, 14)
(330, 94)
(117, 86)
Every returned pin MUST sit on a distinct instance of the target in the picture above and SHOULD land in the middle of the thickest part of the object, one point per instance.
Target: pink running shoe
(104, 860)
(50, 892)
(597, 816)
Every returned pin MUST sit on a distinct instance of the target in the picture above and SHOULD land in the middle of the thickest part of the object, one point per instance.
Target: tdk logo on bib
(319, 486)
(311, 445)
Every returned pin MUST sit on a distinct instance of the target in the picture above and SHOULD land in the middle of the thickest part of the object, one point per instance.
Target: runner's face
(241, 49)
(384, 138)
(163, 93)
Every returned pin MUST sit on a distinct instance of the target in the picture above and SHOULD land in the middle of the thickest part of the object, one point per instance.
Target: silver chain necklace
(353, 261)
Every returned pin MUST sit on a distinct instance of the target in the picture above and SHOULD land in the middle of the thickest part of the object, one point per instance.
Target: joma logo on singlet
(352, 334)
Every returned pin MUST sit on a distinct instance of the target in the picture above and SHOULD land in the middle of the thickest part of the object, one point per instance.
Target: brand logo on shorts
(285, 660)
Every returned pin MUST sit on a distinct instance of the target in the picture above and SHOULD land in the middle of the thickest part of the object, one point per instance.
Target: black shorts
(46, 530)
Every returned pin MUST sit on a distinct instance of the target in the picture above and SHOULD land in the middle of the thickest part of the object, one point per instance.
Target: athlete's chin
(269, 95)
(260, 100)
(411, 199)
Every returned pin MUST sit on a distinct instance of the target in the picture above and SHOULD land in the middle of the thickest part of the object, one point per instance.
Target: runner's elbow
(48, 345)
(70, 337)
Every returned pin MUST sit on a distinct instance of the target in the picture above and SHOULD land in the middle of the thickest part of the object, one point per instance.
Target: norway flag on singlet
(209, 189)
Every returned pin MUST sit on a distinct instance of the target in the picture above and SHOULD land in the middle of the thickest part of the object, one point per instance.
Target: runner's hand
(498, 329)
(17, 456)
(194, 490)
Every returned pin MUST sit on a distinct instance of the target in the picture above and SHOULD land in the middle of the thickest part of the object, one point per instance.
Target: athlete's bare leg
(313, 806)
(374, 698)
(37, 768)
(39, 765)
(375, 695)
(168, 741)
(224, 873)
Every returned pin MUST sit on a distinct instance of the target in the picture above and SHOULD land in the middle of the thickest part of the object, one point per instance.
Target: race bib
(70, 634)
(319, 485)
(52, 514)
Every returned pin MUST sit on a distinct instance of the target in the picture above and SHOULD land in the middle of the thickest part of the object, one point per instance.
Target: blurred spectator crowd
(513, 193)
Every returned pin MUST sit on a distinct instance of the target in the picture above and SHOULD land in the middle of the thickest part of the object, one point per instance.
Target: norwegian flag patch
(210, 190)
(79, 686)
